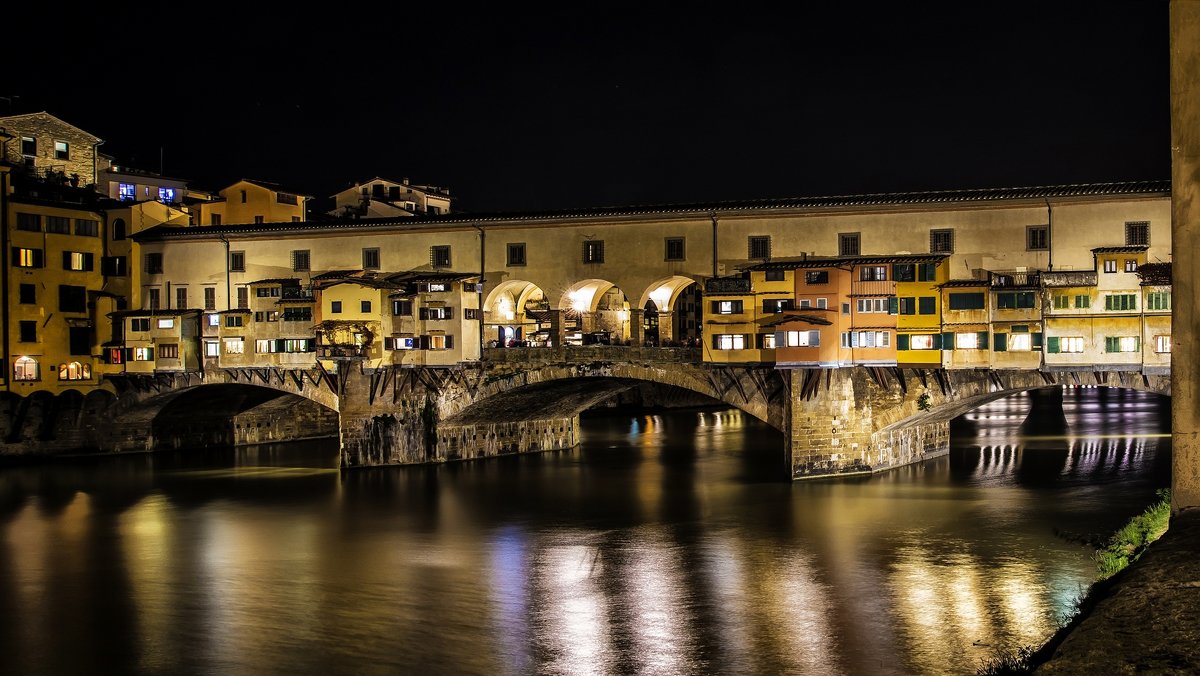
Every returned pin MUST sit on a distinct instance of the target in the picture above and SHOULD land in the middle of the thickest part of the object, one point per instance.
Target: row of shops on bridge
(805, 312)
(906, 310)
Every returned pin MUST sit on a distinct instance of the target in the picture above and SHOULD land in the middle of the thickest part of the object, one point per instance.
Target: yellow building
(53, 324)
(1015, 299)
(966, 323)
(918, 309)
(250, 201)
(384, 198)
(1156, 317)
(735, 306)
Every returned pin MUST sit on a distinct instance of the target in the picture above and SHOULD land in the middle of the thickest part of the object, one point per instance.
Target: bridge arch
(597, 305)
(665, 292)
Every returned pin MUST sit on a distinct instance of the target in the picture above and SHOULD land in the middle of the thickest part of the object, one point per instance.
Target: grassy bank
(1121, 549)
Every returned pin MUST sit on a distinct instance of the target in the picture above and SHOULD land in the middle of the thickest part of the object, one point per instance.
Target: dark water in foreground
(667, 544)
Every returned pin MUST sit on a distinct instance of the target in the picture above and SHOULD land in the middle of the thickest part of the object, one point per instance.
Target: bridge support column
(637, 328)
(1185, 229)
(558, 329)
(665, 329)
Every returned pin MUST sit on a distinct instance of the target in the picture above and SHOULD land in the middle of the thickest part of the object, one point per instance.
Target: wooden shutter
(1000, 342)
(947, 341)
(901, 341)
(1052, 344)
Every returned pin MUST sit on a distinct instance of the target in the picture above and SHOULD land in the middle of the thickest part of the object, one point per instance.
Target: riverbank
(1145, 619)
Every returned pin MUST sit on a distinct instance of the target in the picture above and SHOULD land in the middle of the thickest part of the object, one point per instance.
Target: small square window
(758, 246)
(154, 264)
(849, 244)
(675, 251)
(365, 306)
(237, 261)
(28, 146)
(370, 259)
(29, 294)
(1137, 233)
(593, 251)
(941, 241)
(301, 261)
(335, 307)
(516, 253)
(61, 150)
(1037, 237)
(439, 256)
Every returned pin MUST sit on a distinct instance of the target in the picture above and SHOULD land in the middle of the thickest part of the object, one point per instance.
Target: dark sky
(617, 105)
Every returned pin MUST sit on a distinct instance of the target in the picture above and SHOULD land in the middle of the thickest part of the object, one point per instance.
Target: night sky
(615, 105)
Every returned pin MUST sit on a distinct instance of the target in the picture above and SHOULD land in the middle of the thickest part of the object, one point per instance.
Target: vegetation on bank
(1128, 543)
(1112, 556)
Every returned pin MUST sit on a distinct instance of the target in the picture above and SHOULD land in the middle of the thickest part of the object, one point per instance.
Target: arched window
(25, 368)
(118, 229)
(75, 371)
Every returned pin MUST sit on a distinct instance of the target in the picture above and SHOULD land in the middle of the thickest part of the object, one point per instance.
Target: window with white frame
(25, 368)
(235, 346)
(920, 342)
(212, 348)
(1162, 344)
(868, 305)
(1072, 344)
(866, 339)
(143, 354)
(165, 323)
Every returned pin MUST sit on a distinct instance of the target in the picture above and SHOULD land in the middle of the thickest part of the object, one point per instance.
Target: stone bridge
(834, 421)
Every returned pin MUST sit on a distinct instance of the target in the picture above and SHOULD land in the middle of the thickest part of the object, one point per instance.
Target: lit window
(75, 260)
(920, 342)
(1121, 344)
(166, 195)
(766, 341)
(264, 346)
(867, 305)
(1162, 343)
(399, 343)
(729, 341)
(27, 258)
(126, 191)
(873, 273)
(1071, 344)
(1110, 265)
(168, 351)
(1131, 265)
(214, 320)
(75, 371)
(1020, 342)
(167, 323)
(803, 338)
(727, 307)
(966, 341)
(866, 339)
(439, 286)
(25, 368)
(143, 354)
(234, 346)
(438, 342)
(212, 348)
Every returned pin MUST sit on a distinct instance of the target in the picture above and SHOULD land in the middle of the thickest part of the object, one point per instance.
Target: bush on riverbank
(1121, 549)
(1128, 543)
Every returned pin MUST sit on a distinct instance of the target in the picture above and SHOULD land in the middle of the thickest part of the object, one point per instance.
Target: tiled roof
(1132, 248)
(792, 263)
(465, 219)
(289, 281)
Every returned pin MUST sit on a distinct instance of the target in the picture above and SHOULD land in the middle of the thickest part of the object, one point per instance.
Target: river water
(666, 544)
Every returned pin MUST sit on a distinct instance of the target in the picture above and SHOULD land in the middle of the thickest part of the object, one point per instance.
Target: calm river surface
(666, 544)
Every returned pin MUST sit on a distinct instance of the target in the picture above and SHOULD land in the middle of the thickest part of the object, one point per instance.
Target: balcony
(1069, 278)
(726, 285)
(1015, 280)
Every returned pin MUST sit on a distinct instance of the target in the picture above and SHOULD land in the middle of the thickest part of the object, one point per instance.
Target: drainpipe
(228, 304)
(96, 163)
(482, 269)
(1049, 237)
(4, 254)
(713, 216)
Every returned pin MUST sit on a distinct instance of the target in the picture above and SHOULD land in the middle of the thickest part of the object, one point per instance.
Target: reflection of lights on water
(660, 621)
(509, 559)
(573, 604)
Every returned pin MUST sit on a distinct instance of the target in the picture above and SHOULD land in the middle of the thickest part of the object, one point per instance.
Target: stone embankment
(1145, 619)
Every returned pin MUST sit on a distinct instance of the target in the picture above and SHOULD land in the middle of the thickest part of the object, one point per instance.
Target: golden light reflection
(576, 624)
(659, 618)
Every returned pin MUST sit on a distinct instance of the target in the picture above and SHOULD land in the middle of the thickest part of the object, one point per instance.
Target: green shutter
(1111, 344)
(1000, 342)
(1037, 341)
(982, 341)
(893, 305)
(947, 341)
(1052, 344)
(780, 339)
(901, 341)
(937, 341)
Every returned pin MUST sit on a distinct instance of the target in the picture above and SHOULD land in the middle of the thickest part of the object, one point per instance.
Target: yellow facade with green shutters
(919, 310)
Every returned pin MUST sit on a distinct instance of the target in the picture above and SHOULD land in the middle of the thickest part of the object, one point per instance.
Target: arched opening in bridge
(1060, 434)
(595, 311)
(671, 311)
(515, 314)
(230, 414)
